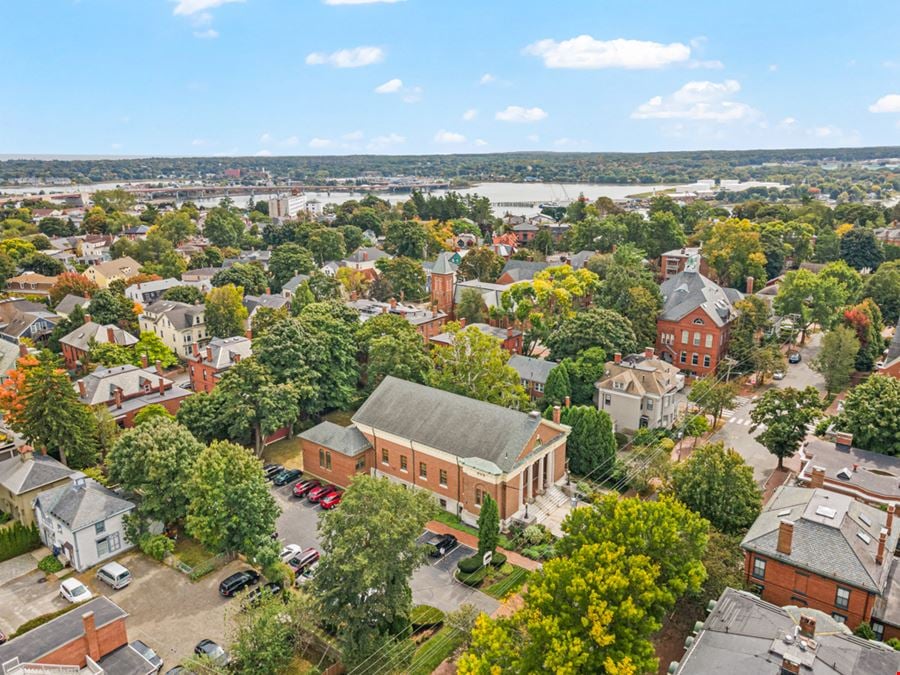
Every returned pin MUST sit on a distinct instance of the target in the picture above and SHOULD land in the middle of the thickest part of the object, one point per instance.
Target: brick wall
(715, 352)
(110, 637)
(343, 468)
(203, 376)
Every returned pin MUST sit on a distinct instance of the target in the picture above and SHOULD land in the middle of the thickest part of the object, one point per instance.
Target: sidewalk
(471, 541)
(778, 478)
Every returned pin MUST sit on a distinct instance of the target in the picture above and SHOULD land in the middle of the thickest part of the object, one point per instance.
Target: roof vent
(863, 517)
(826, 511)
(534, 414)
(782, 514)
(866, 538)
(845, 474)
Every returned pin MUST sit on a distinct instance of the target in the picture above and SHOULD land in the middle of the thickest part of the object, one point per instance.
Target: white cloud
(470, 114)
(291, 141)
(359, 2)
(886, 104)
(347, 58)
(353, 136)
(480, 142)
(320, 143)
(773, 67)
(264, 153)
(585, 52)
(711, 64)
(787, 123)
(534, 138)
(487, 78)
(188, 7)
(265, 138)
(444, 136)
(208, 34)
(699, 100)
(386, 141)
(390, 87)
(516, 113)
(412, 95)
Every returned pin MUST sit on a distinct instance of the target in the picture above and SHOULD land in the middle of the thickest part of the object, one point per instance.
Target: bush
(18, 539)
(469, 565)
(158, 546)
(498, 560)
(894, 643)
(426, 616)
(474, 578)
(822, 426)
(50, 564)
(537, 534)
(864, 630)
(621, 439)
(541, 552)
(31, 624)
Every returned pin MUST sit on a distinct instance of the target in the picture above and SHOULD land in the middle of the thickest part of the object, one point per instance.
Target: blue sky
(290, 77)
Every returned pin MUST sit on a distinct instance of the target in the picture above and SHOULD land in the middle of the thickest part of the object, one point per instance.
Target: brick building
(511, 339)
(207, 365)
(674, 262)
(458, 448)
(428, 322)
(125, 390)
(693, 327)
(77, 344)
(532, 372)
(819, 549)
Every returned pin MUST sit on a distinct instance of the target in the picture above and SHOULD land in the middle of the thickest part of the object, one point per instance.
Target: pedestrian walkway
(471, 541)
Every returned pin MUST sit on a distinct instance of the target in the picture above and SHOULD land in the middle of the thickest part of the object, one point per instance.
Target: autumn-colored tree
(11, 389)
(71, 283)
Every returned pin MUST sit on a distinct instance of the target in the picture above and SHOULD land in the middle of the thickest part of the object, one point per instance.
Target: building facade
(179, 325)
(639, 391)
(206, 366)
(24, 477)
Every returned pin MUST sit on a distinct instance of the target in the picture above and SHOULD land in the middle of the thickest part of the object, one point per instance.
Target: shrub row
(18, 539)
(426, 616)
(31, 624)
(469, 565)
(474, 578)
(50, 564)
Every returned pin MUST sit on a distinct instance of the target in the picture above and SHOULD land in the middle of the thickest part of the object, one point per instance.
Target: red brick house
(511, 339)
(125, 390)
(457, 448)
(77, 344)
(673, 262)
(427, 321)
(92, 637)
(693, 327)
(820, 549)
(207, 366)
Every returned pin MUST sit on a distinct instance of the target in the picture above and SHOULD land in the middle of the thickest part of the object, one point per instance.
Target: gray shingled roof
(346, 440)
(744, 634)
(452, 423)
(366, 254)
(295, 281)
(100, 385)
(224, 349)
(70, 302)
(688, 290)
(20, 476)
(82, 503)
(180, 314)
(876, 473)
(534, 370)
(81, 337)
(50, 636)
(894, 348)
(827, 546)
(523, 270)
(443, 265)
(251, 302)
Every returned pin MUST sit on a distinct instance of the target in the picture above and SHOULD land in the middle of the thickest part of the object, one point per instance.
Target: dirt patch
(669, 641)
(287, 453)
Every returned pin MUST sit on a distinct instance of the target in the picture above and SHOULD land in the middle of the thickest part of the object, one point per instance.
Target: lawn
(510, 584)
(341, 417)
(438, 647)
(191, 552)
(286, 452)
(448, 518)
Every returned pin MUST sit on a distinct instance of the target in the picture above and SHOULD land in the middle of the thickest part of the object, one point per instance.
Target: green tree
(884, 288)
(370, 551)
(326, 244)
(865, 319)
(747, 330)
(558, 385)
(151, 413)
(629, 288)
(108, 306)
(404, 357)
(785, 413)
(230, 507)
(476, 365)
(287, 261)
(151, 345)
(870, 414)
(109, 354)
(860, 249)
(480, 263)
(595, 327)
(584, 373)
(733, 249)
(591, 446)
(488, 526)
(718, 484)
(471, 306)
(249, 276)
(811, 298)
(836, 358)
(190, 295)
(262, 637)
(42, 264)
(224, 227)
(405, 238)
(767, 360)
(712, 397)
(404, 276)
(176, 226)
(156, 461)
(114, 200)
(225, 311)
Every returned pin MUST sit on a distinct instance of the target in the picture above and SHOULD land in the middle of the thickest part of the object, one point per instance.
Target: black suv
(238, 582)
(443, 544)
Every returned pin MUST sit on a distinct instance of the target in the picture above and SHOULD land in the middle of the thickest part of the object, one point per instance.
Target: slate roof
(457, 425)
(138, 291)
(830, 547)
(501, 334)
(346, 440)
(81, 503)
(20, 476)
(81, 337)
(531, 369)
(100, 385)
(68, 304)
(876, 473)
(443, 264)
(366, 254)
(744, 634)
(120, 267)
(490, 293)
(296, 280)
(523, 270)
(48, 637)
(223, 351)
(688, 290)
(580, 259)
(251, 302)
(180, 314)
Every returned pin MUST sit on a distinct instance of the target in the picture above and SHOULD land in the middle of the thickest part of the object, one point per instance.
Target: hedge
(469, 565)
(157, 546)
(425, 616)
(50, 564)
(31, 624)
(18, 539)
(474, 578)
(498, 559)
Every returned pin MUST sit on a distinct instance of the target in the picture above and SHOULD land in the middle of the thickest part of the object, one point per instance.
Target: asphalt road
(735, 432)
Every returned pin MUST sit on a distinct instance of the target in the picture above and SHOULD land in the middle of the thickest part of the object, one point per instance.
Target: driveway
(25, 593)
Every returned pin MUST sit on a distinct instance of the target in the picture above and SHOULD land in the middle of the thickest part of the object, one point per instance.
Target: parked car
(304, 486)
(793, 357)
(214, 651)
(145, 651)
(316, 494)
(307, 574)
(289, 551)
(331, 500)
(778, 375)
(443, 544)
(285, 476)
(238, 582)
(178, 670)
(3, 637)
(253, 597)
(115, 575)
(303, 561)
(270, 470)
(74, 591)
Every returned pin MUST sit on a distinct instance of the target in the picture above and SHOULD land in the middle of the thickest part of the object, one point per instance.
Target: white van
(115, 575)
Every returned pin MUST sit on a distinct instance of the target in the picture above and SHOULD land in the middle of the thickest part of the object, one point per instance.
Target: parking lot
(432, 584)
(25, 593)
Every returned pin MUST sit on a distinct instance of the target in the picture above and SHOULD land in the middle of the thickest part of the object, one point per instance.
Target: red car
(304, 486)
(316, 494)
(331, 500)
(303, 560)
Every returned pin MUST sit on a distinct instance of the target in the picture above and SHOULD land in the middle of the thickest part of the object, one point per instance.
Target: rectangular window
(879, 631)
(325, 459)
(706, 360)
(384, 456)
(842, 598)
(684, 337)
(539, 387)
(694, 359)
(403, 462)
(478, 496)
(709, 340)
(839, 617)
(683, 358)
(423, 471)
(607, 399)
(100, 527)
(443, 503)
(759, 568)
(442, 477)
(649, 404)
(696, 339)
(361, 464)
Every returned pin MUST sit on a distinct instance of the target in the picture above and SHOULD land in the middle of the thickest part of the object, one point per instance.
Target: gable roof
(529, 368)
(488, 434)
(295, 281)
(125, 266)
(20, 475)
(181, 314)
(638, 374)
(828, 546)
(100, 385)
(68, 304)
(523, 270)
(224, 350)
(81, 337)
(366, 254)
(689, 290)
(346, 440)
(252, 302)
(81, 503)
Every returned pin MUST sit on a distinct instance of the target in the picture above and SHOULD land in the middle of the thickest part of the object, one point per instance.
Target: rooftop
(181, 314)
(220, 353)
(852, 470)
(529, 368)
(501, 334)
(641, 374)
(366, 254)
(81, 503)
(82, 337)
(31, 471)
(688, 290)
(346, 440)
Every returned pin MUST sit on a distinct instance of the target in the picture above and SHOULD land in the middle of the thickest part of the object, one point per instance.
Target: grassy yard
(341, 417)
(510, 584)
(432, 653)
(286, 452)
(448, 518)
(191, 552)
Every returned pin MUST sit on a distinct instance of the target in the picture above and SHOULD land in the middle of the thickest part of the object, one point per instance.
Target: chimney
(843, 440)
(26, 452)
(195, 348)
(568, 402)
(81, 389)
(807, 626)
(649, 352)
(617, 357)
(393, 303)
(890, 518)
(384, 309)
(145, 362)
(118, 396)
(23, 350)
(365, 255)
(817, 477)
(353, 296)
(462, 322)
(882, 539)
(159, 370)
(268, 291)
(92, 642)
(208, 353)
(789, 666)
(87, 318)
(162, 387)
(750, 285)
(111, 335)
(785, 535)
(557, 414)
(235, 357)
